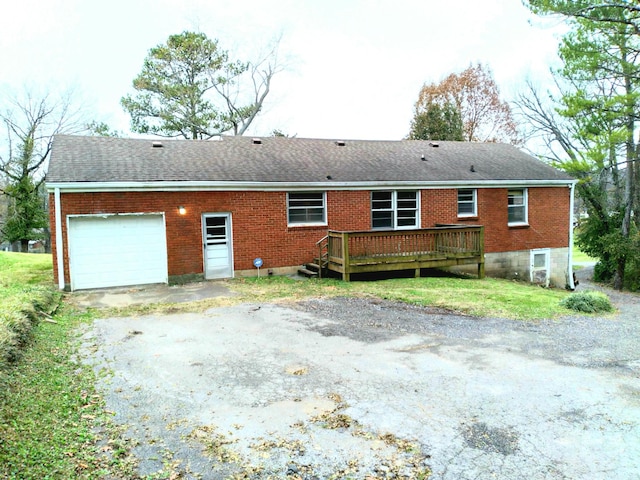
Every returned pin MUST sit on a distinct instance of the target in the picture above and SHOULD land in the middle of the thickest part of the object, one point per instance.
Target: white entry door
(540, 266)
(218, 252)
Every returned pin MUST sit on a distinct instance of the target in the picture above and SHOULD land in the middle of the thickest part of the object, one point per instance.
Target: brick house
(137, 211)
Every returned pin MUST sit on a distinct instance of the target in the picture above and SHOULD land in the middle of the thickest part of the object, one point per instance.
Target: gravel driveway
(364, 389)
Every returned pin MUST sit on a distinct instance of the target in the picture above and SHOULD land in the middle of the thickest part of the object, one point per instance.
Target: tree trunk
(618, 277)
(24, 245)
(629, 192)
(47, 240)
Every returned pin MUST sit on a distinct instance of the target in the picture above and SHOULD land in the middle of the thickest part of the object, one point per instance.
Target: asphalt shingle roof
(291, 160)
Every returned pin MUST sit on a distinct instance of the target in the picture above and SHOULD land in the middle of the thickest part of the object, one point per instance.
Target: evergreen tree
(189, 88)
(437, 123)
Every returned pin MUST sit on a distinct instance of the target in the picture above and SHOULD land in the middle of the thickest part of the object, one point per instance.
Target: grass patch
(25, 293)
(488, 297)
(266, 289)
(579, 256)
(25, 268)
(51, 415)
(246, 290)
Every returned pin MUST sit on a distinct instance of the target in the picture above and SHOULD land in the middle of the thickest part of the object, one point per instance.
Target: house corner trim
(59, 240)
(570, 282)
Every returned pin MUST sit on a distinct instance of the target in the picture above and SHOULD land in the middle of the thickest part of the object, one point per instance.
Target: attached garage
(117, 250)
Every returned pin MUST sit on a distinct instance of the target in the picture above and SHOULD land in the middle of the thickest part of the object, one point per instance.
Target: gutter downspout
(59, 241)
(570, 282)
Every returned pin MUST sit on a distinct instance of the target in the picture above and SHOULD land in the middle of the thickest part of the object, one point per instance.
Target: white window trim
(525, 199)
(394, 209)
(310, 224)
(475, 204)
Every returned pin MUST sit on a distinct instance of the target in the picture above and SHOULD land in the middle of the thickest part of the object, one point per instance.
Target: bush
(587, 302)
(603, 271)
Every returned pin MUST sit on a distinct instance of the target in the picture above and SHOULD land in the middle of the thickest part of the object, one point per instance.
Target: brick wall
(259, 221)
(548, 216)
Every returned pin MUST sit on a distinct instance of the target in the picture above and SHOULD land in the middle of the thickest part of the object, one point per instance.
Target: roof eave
(172, 186)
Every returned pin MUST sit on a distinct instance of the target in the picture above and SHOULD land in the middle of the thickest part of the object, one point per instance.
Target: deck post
(481, 264)
(418, 272)
(345, 257)
(320, 256)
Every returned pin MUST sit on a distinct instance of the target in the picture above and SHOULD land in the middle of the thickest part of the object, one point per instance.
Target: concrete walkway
(144, 294)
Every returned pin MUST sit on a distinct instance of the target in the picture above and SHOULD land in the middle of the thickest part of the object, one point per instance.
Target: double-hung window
(394, 210)
(467, 202)
(517, 206)
(306, 208)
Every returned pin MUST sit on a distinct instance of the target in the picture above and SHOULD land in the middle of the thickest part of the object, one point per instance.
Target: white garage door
(117, 250)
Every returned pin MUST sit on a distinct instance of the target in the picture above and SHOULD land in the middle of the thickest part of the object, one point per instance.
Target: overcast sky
(355, 66)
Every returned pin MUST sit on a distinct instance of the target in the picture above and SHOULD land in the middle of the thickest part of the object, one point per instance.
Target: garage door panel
(117, 250)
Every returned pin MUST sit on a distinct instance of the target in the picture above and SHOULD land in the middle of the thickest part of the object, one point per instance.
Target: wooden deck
(378, 251)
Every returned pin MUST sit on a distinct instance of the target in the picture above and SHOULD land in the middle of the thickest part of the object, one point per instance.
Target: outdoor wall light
(182, 210)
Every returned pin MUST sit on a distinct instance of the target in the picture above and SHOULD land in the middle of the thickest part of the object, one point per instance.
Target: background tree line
(589, 126)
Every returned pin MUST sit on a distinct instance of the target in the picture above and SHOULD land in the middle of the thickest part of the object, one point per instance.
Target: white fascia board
(107, 215)
(59, 239)
(81, 187)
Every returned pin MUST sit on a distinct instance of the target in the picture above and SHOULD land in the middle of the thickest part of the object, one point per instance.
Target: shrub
(587, 302)
(603, 271)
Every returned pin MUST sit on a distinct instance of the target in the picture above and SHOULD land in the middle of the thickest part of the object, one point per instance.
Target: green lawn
(580, 257)
(484, 298)
(488, 297)
(25, 269)
(25, 291)
(49, 410)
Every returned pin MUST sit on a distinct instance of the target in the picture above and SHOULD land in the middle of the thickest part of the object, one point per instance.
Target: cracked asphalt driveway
(365, 389)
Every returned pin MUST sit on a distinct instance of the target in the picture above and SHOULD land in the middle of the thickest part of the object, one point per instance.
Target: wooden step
(307, 273)
(313, 267)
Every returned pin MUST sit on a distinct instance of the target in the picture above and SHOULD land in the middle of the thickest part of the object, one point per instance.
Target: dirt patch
(492, 440)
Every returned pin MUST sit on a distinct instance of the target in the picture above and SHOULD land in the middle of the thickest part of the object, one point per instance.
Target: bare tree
(540, 122)
(30, 122)
(190, 88)
(475, 95)
(251, 88)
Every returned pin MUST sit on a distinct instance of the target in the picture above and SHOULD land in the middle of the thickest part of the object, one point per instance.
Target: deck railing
(369, 251)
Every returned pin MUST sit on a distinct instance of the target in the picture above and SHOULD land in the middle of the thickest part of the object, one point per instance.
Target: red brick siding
(349, 210)
(259, 221)
(439, 206)
(548, 215)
